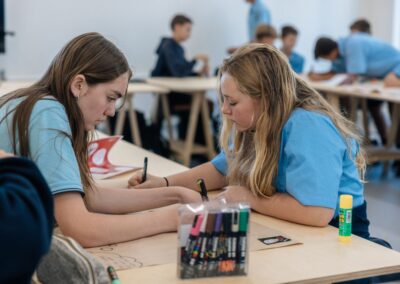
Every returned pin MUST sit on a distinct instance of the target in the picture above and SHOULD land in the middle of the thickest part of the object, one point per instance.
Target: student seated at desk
(285, 150)
(26, 218)
(52, 121)
(289, 38)
(171, 62)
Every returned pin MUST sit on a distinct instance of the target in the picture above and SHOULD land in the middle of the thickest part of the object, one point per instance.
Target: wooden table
(320, 259)
(134, 88)
(360, 92)
(9, 86)
(196, 87)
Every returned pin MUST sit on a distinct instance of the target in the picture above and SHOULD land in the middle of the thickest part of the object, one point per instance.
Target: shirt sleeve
(220, 163)
(51, 147)
(313, 152)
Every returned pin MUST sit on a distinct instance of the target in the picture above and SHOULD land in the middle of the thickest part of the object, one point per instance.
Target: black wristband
(166, 180)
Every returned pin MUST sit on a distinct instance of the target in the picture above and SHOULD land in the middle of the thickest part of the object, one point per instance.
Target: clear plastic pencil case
(212, 239)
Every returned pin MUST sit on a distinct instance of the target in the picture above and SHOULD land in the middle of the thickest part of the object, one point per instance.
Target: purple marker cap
(218, 222)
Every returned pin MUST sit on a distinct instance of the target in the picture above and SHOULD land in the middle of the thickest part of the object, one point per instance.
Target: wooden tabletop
(9, 86)
(186, 84)
(368, 90)
(146, 88)
(320, 259)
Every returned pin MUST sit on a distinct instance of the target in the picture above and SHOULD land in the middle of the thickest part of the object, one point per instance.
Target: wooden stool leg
(134, 123)
(120, 120)
(207, 128)
(333, 100)
(194, 114)
(365, 118)
(392, 134)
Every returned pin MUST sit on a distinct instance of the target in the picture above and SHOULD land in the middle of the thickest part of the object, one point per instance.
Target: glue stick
(345, 216)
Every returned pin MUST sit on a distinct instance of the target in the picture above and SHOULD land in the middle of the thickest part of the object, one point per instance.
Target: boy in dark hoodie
(26, 218)
(171, 62)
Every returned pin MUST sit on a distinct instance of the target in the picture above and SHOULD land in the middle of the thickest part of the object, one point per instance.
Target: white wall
(396, 24)
(43, 26)
(381, 15)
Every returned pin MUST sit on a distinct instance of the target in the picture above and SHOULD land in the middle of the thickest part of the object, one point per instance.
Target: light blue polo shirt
(258, 14)
(297, 62)
(365, 55)
(314, 166)
(49, 143)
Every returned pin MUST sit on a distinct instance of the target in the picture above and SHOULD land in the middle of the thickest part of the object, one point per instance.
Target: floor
(383, 197)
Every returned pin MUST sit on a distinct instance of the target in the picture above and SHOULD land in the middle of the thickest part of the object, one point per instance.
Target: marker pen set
(213, 240)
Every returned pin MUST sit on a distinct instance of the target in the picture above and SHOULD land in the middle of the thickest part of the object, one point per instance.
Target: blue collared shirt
(297, 62)
(258, 14)
(314, 165)
(365, 55)
(49, 143)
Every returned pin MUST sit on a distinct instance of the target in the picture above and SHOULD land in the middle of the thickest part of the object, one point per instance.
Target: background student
(171, 62)
(258, 14)
(266, 34)
(366, 56)
(289, 39)
(361, 25)
(26, 218)
(52, 121)
(271, 156)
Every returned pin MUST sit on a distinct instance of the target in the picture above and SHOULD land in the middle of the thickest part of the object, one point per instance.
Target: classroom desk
(9, 86)
(360, 92)
(135, 88)
(320, 259)
(197, 87)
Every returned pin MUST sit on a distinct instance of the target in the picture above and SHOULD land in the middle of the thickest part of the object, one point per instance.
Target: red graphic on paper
(98, 158)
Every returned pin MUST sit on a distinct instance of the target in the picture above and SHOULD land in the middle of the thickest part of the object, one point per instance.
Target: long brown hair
(263, 73)
(89, 54)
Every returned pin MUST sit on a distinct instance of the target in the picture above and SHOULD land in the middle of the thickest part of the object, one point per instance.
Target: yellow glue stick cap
(346, 201)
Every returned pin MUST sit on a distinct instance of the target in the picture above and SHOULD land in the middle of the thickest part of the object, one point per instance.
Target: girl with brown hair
(284, 149)
(52, 121)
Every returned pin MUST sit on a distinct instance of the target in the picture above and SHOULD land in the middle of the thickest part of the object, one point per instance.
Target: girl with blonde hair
(284, 149)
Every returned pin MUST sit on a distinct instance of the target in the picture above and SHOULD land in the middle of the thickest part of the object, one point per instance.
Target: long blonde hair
(263, 73)
(89, 54)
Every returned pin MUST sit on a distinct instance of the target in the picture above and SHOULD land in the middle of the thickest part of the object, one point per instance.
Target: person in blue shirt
(171, 62)
(289, 39)
(363, 55)
(26, 218)
(52, 121)
(284, 149)
(258, 14)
